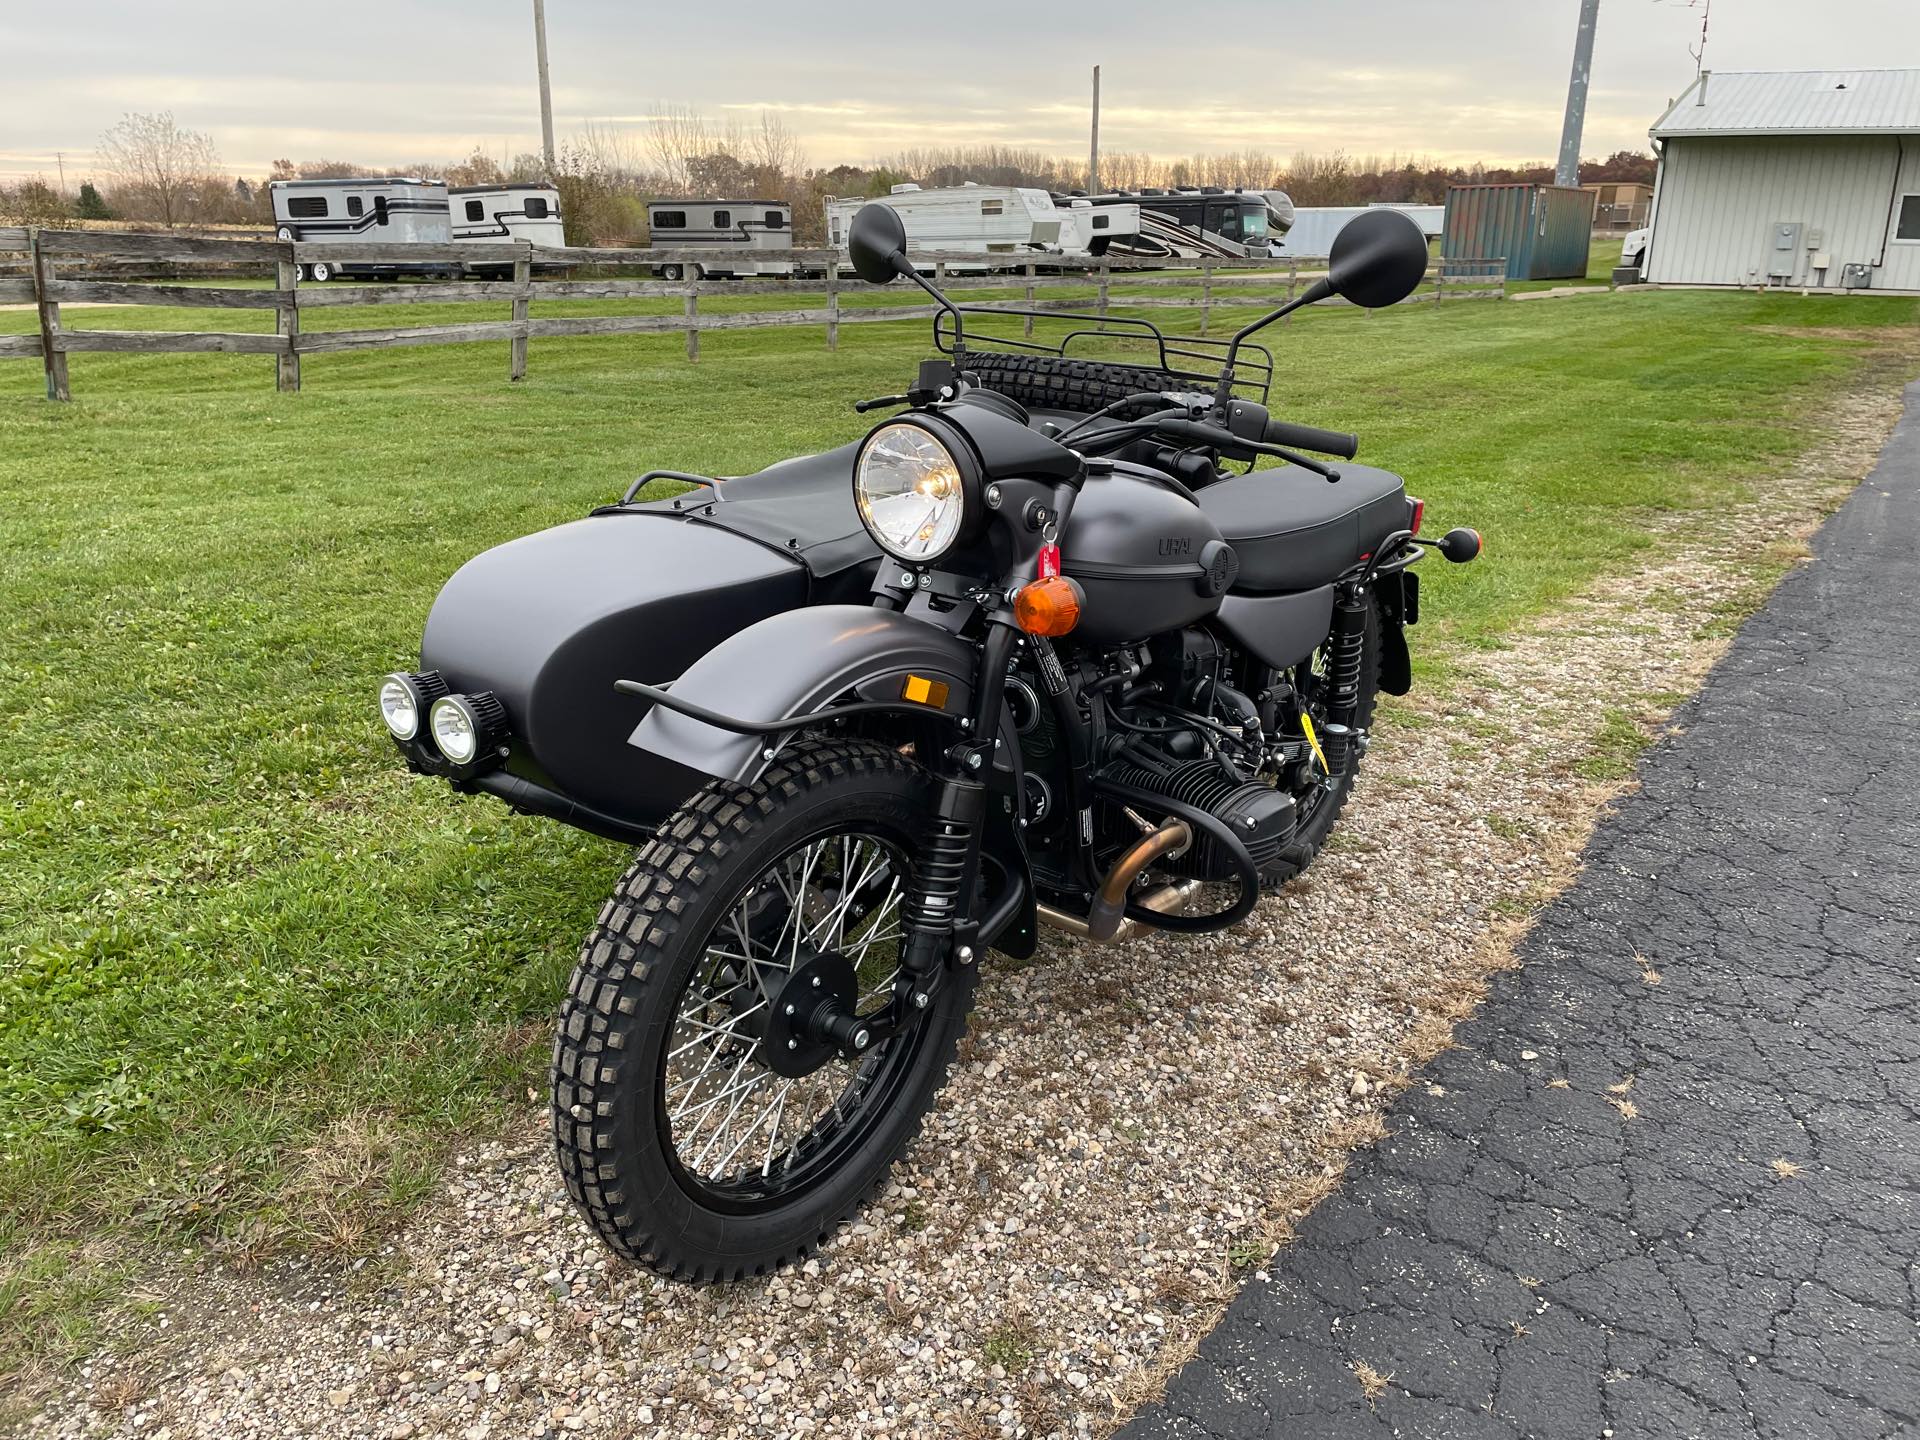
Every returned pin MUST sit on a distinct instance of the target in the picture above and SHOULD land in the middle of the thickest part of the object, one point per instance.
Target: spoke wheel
(757, 1111)
(703, 1122)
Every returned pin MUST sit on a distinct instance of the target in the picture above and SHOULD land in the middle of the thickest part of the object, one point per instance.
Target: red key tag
(1049, 565)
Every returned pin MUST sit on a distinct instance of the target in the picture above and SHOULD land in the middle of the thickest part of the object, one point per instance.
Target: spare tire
(1053, 382)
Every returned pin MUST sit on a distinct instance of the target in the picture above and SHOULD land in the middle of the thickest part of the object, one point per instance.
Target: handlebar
(1309, 437)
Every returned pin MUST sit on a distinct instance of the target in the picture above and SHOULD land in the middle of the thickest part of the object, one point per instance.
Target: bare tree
(157, 164)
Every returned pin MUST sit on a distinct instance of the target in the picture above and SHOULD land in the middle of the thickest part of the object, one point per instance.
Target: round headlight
(454, 730)
(400, 707)
(910, 492)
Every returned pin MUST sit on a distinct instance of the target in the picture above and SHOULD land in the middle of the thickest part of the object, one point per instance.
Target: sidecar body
(545, 624)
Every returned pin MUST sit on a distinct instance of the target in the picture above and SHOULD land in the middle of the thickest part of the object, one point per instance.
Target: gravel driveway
(1127, 1133)
(1666, 1185)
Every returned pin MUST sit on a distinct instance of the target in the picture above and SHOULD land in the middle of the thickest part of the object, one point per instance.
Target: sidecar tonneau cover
(802, 507)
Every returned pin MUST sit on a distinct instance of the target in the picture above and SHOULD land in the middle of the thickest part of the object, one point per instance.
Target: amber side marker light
(1048, 607)
(921, 691)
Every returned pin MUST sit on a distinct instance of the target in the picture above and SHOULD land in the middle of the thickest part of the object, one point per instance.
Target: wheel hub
(812, 1016)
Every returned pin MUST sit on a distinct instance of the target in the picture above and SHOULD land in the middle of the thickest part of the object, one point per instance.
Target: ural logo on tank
(1176, 545)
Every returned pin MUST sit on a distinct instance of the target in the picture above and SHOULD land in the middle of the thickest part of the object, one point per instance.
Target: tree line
(150, 170)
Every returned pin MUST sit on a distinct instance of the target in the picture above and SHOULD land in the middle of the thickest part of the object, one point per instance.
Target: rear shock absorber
(1346, 653)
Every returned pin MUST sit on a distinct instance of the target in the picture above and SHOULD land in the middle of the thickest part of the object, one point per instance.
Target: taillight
(1419, 513)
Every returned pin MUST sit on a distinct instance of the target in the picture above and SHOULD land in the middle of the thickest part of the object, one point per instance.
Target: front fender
(794, 662)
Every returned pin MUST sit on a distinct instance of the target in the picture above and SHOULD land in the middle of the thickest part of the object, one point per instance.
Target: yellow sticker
(1306, 724)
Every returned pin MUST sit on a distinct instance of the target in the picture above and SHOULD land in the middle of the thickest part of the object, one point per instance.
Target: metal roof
(1795, 102)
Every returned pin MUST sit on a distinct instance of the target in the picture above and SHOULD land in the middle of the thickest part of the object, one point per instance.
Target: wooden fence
(58, 262)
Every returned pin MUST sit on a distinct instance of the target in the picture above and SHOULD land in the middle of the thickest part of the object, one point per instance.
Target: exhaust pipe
(1106, 921)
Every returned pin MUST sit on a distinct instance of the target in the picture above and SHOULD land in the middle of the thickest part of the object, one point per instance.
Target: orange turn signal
(1048, 607)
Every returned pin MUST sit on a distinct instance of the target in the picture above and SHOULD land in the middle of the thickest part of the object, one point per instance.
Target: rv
(501, 214)
(1001, 220)
(1195, 223)
(1089, 229)
(496, 213)
(735, 230)
(383, 211)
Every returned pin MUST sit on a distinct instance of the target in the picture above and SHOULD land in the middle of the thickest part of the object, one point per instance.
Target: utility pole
(60, 159)
(1093, 152)
(1568, 171)
(546, 91)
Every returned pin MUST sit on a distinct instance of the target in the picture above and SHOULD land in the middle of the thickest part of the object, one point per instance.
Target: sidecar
(533, 633)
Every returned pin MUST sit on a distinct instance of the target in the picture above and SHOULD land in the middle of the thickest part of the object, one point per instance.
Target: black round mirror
(877, 241)
(1379, 258)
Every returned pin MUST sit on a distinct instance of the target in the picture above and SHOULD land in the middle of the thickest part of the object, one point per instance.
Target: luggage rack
(1252, 364)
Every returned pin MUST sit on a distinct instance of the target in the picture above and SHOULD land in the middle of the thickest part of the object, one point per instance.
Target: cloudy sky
(400, 81)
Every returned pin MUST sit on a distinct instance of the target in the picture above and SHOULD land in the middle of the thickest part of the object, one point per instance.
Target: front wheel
(702, 1129)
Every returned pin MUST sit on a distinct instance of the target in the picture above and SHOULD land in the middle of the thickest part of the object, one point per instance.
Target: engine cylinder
(1260, 815)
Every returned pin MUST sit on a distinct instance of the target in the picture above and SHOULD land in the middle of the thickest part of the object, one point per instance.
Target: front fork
(937, 919)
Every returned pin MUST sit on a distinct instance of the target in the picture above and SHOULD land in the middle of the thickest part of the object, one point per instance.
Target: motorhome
(1196, 223)
(1002, 220)
(734, 230)
(377, 210)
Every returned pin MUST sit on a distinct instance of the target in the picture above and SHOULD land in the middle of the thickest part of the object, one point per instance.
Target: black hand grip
(1309, 437)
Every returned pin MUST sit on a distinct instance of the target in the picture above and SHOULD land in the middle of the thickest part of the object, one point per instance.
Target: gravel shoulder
(1663, 1185)
(1128, 1132)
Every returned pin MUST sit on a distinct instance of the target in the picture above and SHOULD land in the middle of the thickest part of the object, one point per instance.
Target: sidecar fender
(796, 662)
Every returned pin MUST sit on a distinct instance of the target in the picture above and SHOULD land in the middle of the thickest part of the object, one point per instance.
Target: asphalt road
(1728, 1247)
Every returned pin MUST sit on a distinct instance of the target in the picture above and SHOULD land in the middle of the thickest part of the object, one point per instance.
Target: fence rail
(48, 252)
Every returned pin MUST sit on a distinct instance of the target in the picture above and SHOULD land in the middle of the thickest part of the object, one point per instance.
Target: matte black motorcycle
(1027, 653)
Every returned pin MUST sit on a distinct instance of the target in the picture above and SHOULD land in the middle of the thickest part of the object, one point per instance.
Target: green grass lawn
(253, 978)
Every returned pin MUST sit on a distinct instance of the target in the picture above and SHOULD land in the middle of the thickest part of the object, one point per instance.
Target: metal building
(1801, 178)
(1543, 232)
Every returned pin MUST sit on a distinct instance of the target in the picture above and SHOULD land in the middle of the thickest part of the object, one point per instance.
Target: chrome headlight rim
(419, 690)
(968, 510)
(468, 731)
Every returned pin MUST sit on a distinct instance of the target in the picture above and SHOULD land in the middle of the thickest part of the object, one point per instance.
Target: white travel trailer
(496, 213)
(501, 214)
(1001, 220)
(377, 210)
(735, 231)
(1089, 229)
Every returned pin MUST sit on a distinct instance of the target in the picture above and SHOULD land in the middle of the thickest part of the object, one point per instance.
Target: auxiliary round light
(456, 730)
(910, 491)
(400, 706)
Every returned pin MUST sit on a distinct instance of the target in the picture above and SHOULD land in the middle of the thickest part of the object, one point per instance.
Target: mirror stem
(1319, 290)
(904, 266)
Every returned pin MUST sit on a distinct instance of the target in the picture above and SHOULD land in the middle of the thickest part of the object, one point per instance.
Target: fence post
(1206, 294)
(1106, 276)
(693, 317)
(54, 358)
(833, 303)
(522, 292)
(1030, 273)
(286, 322)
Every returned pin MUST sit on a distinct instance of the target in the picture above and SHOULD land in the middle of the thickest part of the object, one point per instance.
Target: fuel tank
(1148, 559)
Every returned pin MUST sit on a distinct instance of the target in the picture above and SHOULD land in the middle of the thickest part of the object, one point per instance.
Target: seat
(1294, 531)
